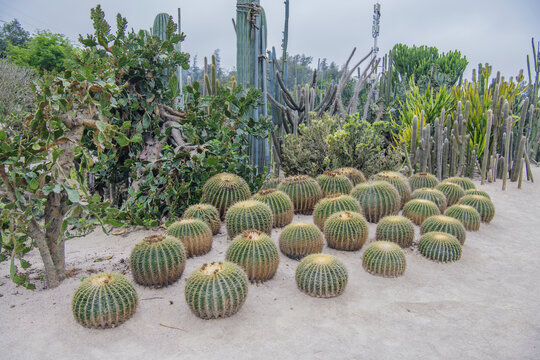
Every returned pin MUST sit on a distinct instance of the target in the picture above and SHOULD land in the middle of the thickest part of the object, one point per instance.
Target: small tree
(12, 33)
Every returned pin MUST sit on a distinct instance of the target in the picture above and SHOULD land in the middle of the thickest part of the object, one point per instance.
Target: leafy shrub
(16, 95)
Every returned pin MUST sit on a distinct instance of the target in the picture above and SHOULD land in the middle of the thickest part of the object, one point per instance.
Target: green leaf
(34, 184)
(73, 194)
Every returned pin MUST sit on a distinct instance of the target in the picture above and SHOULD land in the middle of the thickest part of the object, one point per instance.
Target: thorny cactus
(346, 230)
(445, 224)
(248, 215)
(453, 192)
(333, 183)
(433, 195)
(419, 210)
(377, 199)
(423, 180)
(223, 190)
(469, 216)
(482, 204)
(300, 239)
(477, 192)
(321, 275)
(384, 258)
(207, 213)
(333, 204)
(465, 183)
(396, 229)
(356, 176)
(194, 234)
(399, 181)
(280, 204)
(439, 246)
(304, 192)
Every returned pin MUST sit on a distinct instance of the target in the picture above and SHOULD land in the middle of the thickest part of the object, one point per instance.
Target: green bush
(16, 95)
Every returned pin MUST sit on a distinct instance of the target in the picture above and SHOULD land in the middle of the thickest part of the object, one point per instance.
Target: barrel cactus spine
(419, 210)
(398, 181)
(223, 190)
(465, 183)
(384, 258)
(377, 199)
(434, 195)
(397, 229)
(321, 275)
(194, 234)
(304, 192)
(469, 216)
(355, 175)
(332, 182)
(280, 204)
(333, 204)
(248, 215)
(346, 230)
(423, 180)
(445, 224)
(477, 192)
(482, 204)
(300, 239)
(453, 192)
(440, 247)
(207, 213)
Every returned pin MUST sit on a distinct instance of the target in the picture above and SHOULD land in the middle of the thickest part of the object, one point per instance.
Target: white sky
(496, 31)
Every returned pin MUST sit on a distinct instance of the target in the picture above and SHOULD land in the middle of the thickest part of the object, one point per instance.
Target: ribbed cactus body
(300, 239)
(194, 234)
(465, 183)
(396, 229)
(377, 199)
(271, 183)
(423, 180)
(384, 258)
(445, 224)
(158, 260)
(469, 216)
(321, 275)
(419, 210)
(346, 230)
(332, 183)
(207, 213)
(355, 175)
(398, 181)
(333, 204)
(433, 195)
(248, 215)
(256, 253)
(453, 192)
(304, 192)
(440, 246)
(223, 190)
(216, 290)
(477, 192)
(280, 204)
(104, 300)
(483, 205)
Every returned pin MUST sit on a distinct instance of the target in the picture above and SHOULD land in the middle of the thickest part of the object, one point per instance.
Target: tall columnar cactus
(216, 290)
(477, 192)
(346, 230)
(333, 204)
(304, 192)
(248, 215)
(280, 204)
(207, 213)
(445, 224)
(469, 216)
(433, 195)
(355, 175)
(256, 253)
(271, 183)
(453, 192)
(465, 183)
(377, 199)
(399, 181)
(157, 261)
(223, 190)
(423, 180)
(483, 205)
(321, 275)
(396, 229)
(104, 301)
(194, 234)
(333, 183)
(300, 239)
(384, 258)
(419, 210)
(440, 246)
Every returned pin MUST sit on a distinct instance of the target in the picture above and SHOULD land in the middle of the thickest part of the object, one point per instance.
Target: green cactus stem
(423, 180)
(453, 192)
(333, 204)
(300, 239)
(194, 234)
(355, 175)
(419, 210)
(399, 181)
(346, 230)
(477, 192)
(445, 224)
(440, 246)
(465, 183)
(207, 213)
(433, 195)
(333, 183)
(384, 258)
(280, 204)
(377, 199)
(469, 216)
(321, 275)
(304, 192)
(223, 190)
(482, 204)
(397, 229)
(248, 215)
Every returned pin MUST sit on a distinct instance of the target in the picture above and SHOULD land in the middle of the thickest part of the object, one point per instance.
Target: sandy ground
(486, 306)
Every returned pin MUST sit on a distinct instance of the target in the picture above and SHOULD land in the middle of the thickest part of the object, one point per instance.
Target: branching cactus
(453, 192)
(271, 183)
(346, 230)
(356, 176)
(158, 261)
(399, 181)
(332, 183)
(280, 204)
(384, 258)
(223, 190)
(333, 204)
(445, 224)
(216, 290)
(439, 246)
(396, 229)
(194, 234)
(207, 213)
(321, 275)
(419, 210)
(300, 239)
(482, 204)
(423, 180)
(469, 216)
(465, 183)
(304, 192)
(248, 215)
(433, 195)
(377, 199)
(104, 301)
(477, 192)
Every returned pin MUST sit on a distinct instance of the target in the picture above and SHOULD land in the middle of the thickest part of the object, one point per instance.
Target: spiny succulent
(396, 229)
(423, 180)
(104, 301)
(321, 275)
(207, 213)
(434, 195)
(223, 190)
(248, 215)
(440, 246)
(398, 181)
(194, 234)
(355, 175)
(477, 192)
(346, 230)
(157, 260)
(304, 192)
(333, 204)
(419, 210)
(300, 239)
(256, 253)
(332, 182)
(280, 204)
(453, 192)
(465, 183)
(384, 258)
(445, 224)
(377, 199)
(271, 183)
(216, 290)
(469, 216)
(482, 204)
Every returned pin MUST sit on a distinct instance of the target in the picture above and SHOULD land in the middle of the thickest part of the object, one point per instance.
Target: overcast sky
(496, 31)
